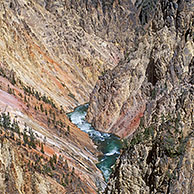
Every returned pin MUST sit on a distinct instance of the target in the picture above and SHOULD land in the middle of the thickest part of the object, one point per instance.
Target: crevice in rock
(151, 154)
(11, 6)
(151, 72)
(150, 178)
(188, 34)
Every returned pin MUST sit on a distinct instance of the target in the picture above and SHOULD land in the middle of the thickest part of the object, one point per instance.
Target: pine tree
(25, 138)
(42, 148)
(41, 108)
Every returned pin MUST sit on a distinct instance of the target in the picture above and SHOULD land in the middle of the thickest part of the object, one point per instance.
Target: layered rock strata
(139, 57)
(48, 48)
(52, 154)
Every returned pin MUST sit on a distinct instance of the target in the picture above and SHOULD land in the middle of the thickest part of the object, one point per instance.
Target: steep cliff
(158, 158)
(159, 52)
(135, 56)
(44, 43)
(52, 154)
(148, 100)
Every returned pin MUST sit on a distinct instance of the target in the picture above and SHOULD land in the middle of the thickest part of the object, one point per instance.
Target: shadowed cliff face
(160, 52)
(51, 54)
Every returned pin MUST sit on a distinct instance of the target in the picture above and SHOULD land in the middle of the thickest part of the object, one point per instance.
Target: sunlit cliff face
(47, 48)
(37, 137)
(49, 64)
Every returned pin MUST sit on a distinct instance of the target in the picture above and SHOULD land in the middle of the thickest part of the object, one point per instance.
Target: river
(107, 143)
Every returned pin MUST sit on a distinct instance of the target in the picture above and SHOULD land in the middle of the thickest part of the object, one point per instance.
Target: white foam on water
(112, 152)
(106, 135)
(78, 118)
(106, 172)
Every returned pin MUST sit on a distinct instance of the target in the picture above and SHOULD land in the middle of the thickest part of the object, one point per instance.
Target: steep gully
(107, 143)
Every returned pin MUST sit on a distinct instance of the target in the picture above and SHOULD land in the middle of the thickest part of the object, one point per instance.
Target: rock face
(159, 156)
(153, 81)
(41, 150)
(159, 51)
(139, 55)
(16, 179)
(45, 44)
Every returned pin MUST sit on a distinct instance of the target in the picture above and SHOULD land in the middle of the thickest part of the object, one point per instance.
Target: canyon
(131, 60)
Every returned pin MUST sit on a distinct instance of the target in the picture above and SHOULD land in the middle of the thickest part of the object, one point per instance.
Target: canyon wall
(41, 150)
(148, 100)
(51, 54)
(159, 54)
(158, 157)
(45, 45)
(135, 57)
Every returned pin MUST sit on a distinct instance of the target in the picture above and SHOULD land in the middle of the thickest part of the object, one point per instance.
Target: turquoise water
(108, 144)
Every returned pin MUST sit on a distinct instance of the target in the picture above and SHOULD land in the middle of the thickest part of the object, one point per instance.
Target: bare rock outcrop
(158, 158)
(160, 51)
(155, 82)
(47, 46)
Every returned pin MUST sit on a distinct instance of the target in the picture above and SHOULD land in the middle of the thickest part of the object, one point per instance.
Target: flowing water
(108, 144)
